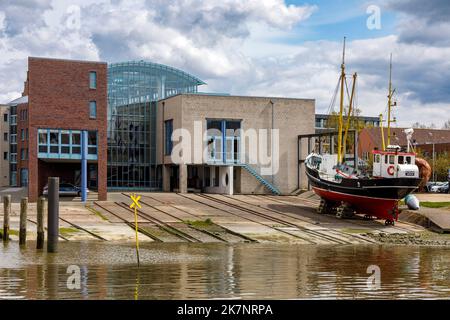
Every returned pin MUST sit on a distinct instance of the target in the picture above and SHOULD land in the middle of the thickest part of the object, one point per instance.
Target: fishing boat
(345, 190)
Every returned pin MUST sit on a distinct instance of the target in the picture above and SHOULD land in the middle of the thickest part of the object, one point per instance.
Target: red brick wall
(365, 143)
(59, 96)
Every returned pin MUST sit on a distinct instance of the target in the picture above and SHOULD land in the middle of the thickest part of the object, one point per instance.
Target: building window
(93, 80)
(42, 141)
(92, 109)
(54, 141)
(168, 130)
(5, 136)
(65, 142)
(92, 142)
(5, 117)
(22, 134)
(13, 138)
(5, 155)
(23, 154)
(76, 142)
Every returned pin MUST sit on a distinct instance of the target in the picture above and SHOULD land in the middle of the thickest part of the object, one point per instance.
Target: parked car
(443, 188)
(66, 189)
(437, 186)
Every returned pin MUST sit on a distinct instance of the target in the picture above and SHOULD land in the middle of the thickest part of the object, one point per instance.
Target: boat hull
(374, 197)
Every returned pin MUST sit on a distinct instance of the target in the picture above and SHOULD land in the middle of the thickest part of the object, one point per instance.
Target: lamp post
(434, 157)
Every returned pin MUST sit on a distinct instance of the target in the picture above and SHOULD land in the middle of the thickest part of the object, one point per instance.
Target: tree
(446, 125)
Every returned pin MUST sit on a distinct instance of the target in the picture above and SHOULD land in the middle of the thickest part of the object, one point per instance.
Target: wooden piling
(40, 223)
(23, 221)
(53, 214)
(6, 213)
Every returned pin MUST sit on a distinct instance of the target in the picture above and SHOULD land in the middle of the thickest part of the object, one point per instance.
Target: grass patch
(199, 223)
(97, 213)
(355, 230)
(435, 204)
(13, 232)
(67, 231)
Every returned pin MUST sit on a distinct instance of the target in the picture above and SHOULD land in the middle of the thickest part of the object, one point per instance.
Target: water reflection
(181, 271)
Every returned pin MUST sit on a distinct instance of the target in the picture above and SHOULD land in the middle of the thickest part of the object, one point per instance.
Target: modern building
(4, 146)
(370, 138)
(110, 127)
(58, 126)
(229, 141)
(322, 122)
(133, 91)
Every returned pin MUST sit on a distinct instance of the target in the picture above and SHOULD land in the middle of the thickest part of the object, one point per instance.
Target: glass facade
(133, 90)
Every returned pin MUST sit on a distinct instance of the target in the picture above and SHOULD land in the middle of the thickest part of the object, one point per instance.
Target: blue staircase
(264, 182)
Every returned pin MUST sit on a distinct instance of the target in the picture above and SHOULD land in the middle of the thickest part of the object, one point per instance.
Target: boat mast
(382, 132)
(391, 93)
(349, 115)
(341, 107)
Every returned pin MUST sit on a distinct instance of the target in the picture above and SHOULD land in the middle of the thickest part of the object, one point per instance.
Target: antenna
(343, 52)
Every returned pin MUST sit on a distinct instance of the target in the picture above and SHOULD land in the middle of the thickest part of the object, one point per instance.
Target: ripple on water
(248, 271)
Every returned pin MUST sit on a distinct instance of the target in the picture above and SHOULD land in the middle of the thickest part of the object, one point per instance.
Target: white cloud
(236, 46)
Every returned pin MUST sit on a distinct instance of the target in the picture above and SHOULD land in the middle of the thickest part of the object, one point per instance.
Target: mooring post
(53, 214)
(40, 223)
(6, 213)
(23, 221)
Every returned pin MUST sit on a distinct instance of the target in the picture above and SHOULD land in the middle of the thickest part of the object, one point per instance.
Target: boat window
(376, 158)
(391, 159)
(408, 160)
(401, 159)
(385, 159)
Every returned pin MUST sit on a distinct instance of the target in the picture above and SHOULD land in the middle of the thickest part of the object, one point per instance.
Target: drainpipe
(271, 139)
(84, 151)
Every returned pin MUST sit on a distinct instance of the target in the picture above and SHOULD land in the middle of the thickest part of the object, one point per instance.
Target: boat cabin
(394, 164)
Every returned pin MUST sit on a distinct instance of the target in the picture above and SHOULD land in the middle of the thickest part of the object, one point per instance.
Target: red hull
(376, 207)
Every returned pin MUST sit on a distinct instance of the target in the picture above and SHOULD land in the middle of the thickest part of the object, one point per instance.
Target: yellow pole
(382, 132)
(389, 104)
(135, 204)
(137, 238)
(341, 106)
(350, 108)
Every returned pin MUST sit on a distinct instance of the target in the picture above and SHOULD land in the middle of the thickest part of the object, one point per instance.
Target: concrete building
(321, 122)
(229, 121)
(4, 146)
(60, 125)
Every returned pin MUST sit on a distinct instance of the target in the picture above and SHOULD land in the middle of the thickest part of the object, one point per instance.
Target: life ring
(390, 170)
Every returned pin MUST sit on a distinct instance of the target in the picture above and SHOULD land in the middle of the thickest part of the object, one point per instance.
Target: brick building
(370, 138)
(61, 124)
(4, 145)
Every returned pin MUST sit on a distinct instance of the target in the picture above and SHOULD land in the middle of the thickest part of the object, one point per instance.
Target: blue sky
(248, 47)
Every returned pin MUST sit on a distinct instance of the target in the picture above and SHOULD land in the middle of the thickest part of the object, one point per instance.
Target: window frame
(93, 81)
(92, 104)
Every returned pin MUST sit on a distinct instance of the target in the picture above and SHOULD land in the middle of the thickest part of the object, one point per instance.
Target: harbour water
(247, 271)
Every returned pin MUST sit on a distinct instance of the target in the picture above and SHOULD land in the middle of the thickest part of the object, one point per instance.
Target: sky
(250, 47)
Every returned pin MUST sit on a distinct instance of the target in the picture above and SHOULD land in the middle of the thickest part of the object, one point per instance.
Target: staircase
(264, 182)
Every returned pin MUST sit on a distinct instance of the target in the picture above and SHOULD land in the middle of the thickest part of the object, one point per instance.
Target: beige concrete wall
(4, 147)
(292, 117)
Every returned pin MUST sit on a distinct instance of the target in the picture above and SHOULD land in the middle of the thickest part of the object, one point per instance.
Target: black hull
(383, 188)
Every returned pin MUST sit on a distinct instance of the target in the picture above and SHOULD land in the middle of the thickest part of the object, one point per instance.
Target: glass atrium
(133, 90)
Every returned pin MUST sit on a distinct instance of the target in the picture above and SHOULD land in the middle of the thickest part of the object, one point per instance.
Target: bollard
(53, 214)
(23, 221)
(40, 223)
(7, 212)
